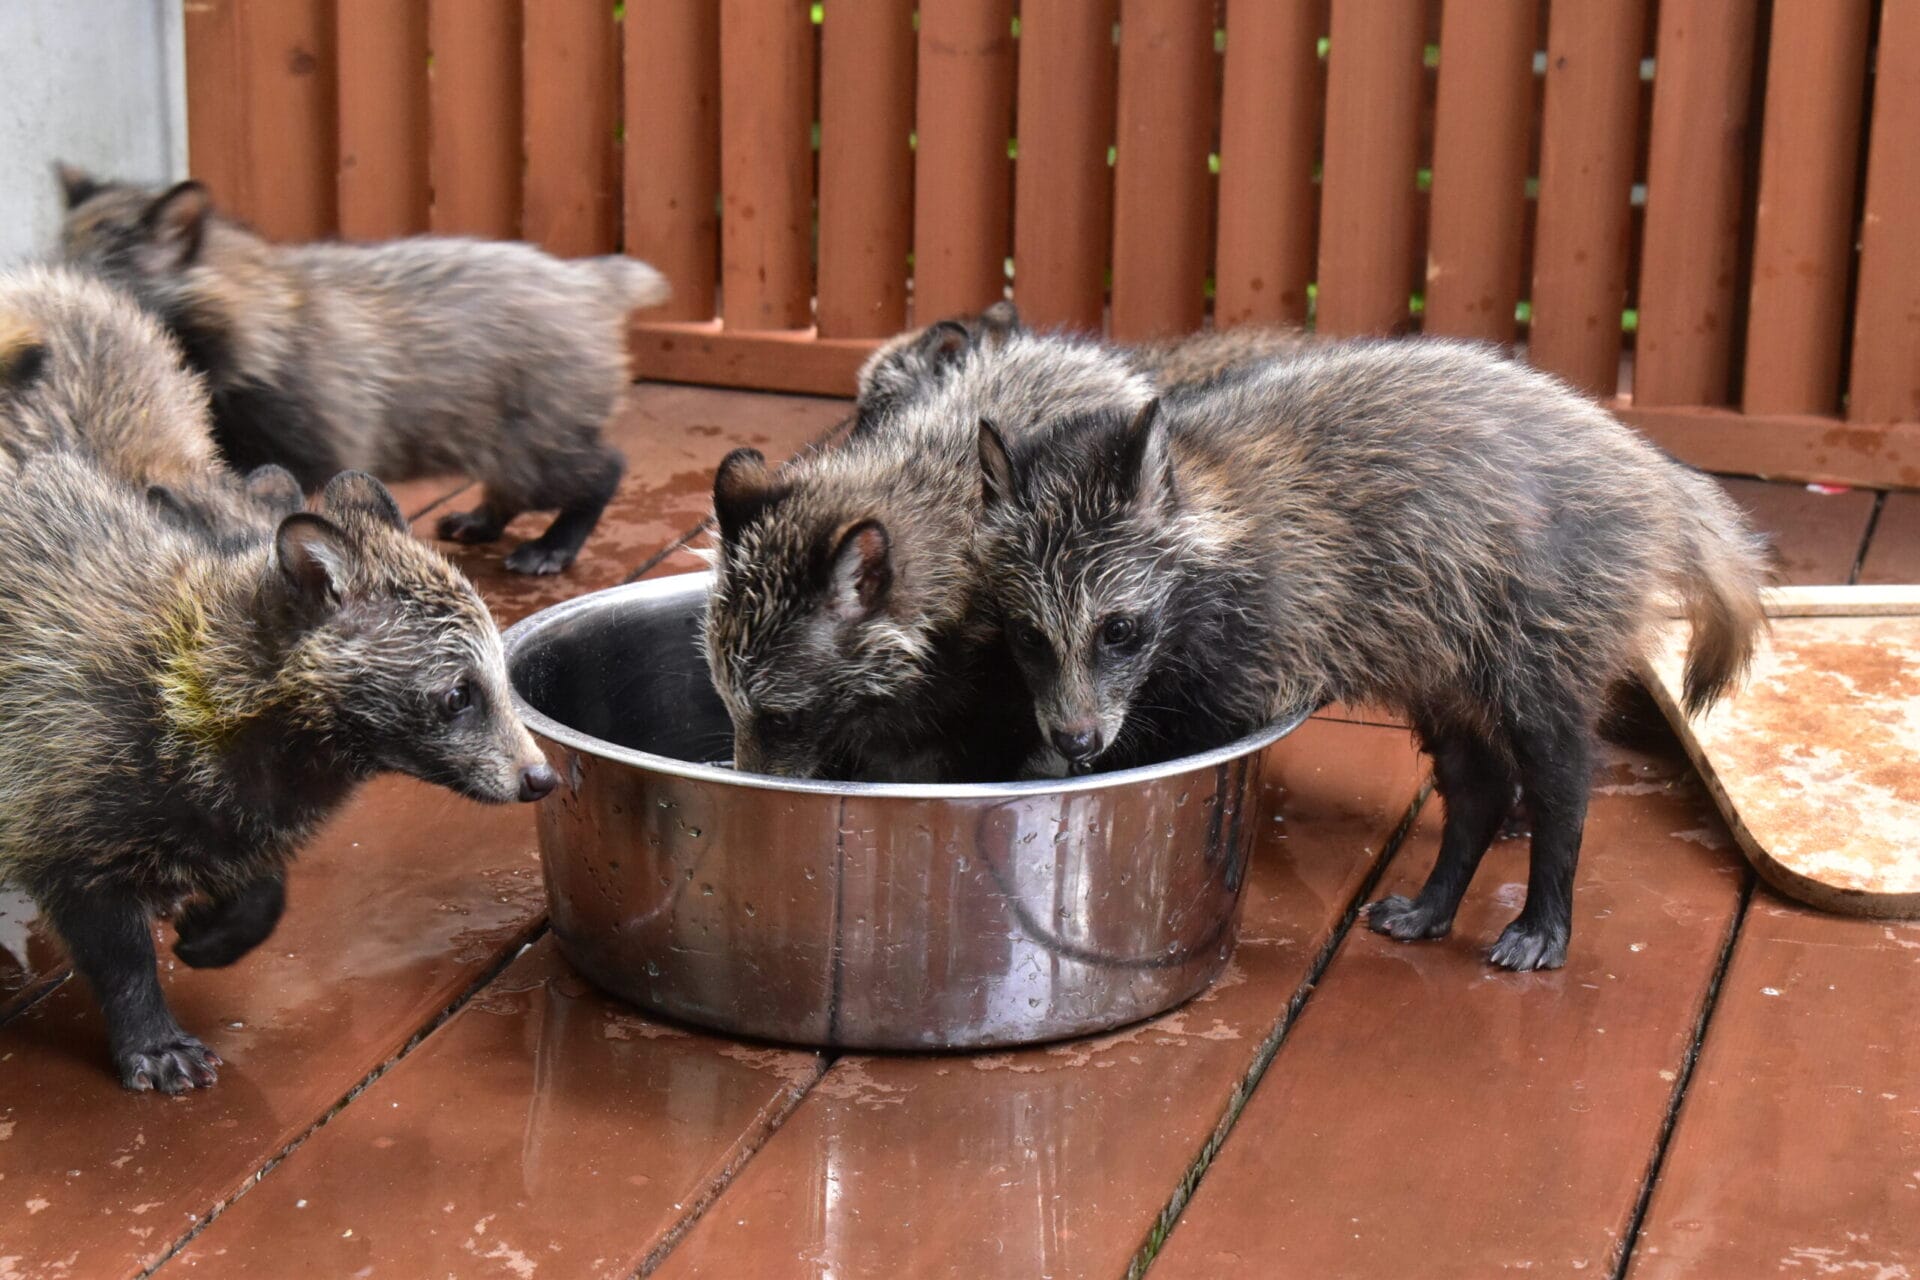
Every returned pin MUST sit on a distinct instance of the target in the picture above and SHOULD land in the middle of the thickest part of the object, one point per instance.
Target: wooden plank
(1422, 1088)
(1886, 333)
(1837, 601)
(795, 360)
(216, 120)
(1069, 1151)
(672, 83)
(571, 85)
(766, 164)
(1813, 762)
(1374, 87)
(1784, 446)
(1816, 536)
(1696, 189)
(1893, 556)
(383, 118)
(1483, 129)
(261, 108)
(557, 1127)
(1590, 130)
(963, 179)
(1272, 98)
(1162, 216)
(474, 122)
(1063, 187)
(1803, 229)
(866, 168)
(1798, 1147)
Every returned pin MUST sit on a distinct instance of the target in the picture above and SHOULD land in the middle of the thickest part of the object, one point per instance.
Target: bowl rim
(523, 633)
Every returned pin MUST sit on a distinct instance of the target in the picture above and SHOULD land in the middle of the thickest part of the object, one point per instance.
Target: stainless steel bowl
(857, 915)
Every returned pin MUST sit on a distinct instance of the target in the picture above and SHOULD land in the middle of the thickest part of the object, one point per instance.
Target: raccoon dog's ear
(169, 504)
(77, 186)
(177, 220)
(23, 358)
(1145, 462)
(1001, 319)
(360, 493)
(313, 556)
(274, 488)
(943, 343)
(861, 572)
(743, 488)
(996, 466)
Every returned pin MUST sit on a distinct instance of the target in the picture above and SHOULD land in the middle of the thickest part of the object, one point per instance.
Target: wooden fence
(1706, 211)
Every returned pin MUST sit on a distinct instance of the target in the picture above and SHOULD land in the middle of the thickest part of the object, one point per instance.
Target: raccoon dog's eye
(457, 699)
(1028, 636)
(779, 724)
(1118, 632)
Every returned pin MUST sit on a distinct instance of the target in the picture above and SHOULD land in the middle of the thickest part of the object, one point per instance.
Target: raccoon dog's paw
(172, 1063)
(469, 527)
(1405, 920)
(533, 558)
(1525, 945)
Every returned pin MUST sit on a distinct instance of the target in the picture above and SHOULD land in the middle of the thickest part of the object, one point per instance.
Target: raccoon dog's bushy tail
(1723, 567)
(635, 283)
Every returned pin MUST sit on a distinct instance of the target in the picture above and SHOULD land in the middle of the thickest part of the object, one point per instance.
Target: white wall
(98, 83)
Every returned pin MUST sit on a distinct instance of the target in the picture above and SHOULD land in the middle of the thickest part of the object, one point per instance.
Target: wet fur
(178, 715)
(1423, 525)
(416, 357)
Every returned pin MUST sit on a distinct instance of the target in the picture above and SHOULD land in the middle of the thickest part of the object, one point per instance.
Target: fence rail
(1705, 211)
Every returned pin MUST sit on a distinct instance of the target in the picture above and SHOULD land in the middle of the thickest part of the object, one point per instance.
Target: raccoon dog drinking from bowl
(1418, 524)
(415, 357)
(177, 717)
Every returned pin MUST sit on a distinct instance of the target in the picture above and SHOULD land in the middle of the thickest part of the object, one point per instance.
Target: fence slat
(766, 164)
(383, 117)
(1696, 172)
(866, 167)
(1482, 129)
(1374, 83)
(672, 76)
(1063, 186)
(1803, 230)
(1162, 219)
(963, 180)
(1271, 103)
(1589, 143)
(474, 127)
(1886, 341)
(571, 83)
(216, 120)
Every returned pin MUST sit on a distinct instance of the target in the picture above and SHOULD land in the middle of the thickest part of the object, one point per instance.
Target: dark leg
(110, 940)
(216, 932)
(555, 549)
(1556, 766)
(1477, 787)
(1518, 824)
(485, 523)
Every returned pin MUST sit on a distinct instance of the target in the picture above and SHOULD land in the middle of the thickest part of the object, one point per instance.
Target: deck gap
(1631, 1238)
(442, 500)
(508, 954)
(1866, 538)
(1270, 1047)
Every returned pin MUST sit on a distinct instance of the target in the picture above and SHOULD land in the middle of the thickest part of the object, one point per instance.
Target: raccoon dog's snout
(537, 781)
(1079, 742)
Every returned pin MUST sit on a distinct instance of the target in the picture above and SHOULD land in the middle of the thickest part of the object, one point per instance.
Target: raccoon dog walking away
(83, 369)
(410, 358)
(844, 631)
(1419, 524)
(176, 718)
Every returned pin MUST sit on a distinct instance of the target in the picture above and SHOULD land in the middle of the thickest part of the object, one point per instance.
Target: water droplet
(750, 910)
(706, 890)
(653, 970)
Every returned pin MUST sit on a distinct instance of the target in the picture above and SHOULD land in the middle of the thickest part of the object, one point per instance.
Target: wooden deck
(1719, 1084)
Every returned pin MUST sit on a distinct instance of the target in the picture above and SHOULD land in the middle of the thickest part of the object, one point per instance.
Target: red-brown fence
(1707, 211)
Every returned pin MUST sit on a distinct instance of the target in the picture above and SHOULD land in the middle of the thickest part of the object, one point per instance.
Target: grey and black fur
(82, 369)
(178, 716)
(416, 357)
(1421, 524)
(845, 631)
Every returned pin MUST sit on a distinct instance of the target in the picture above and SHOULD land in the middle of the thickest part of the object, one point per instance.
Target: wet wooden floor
(1719, 1083)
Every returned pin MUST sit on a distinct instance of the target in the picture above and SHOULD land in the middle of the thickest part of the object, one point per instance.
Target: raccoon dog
(1419, 524)
(844, 631)
(411, 358)
(177, 718)
(84, 369)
